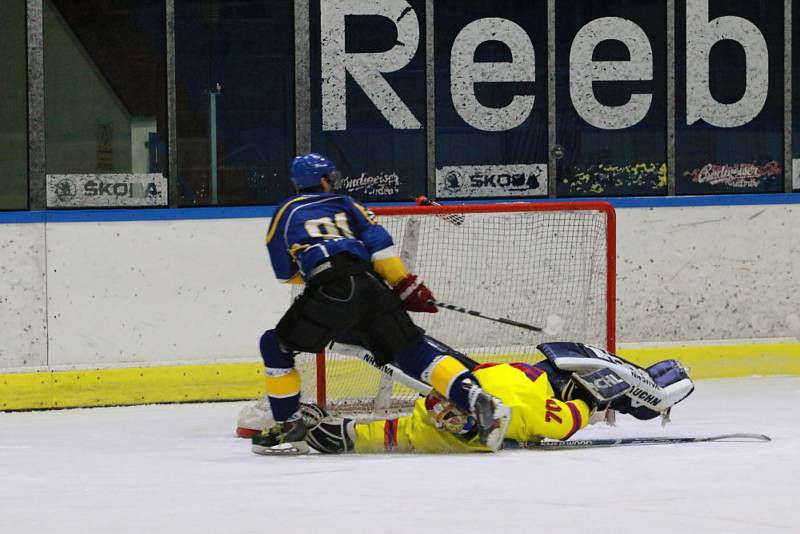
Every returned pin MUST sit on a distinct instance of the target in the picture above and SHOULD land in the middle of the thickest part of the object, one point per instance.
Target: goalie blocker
(619, 384)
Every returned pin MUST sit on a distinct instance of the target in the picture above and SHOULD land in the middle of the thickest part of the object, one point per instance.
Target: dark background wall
(454, 99)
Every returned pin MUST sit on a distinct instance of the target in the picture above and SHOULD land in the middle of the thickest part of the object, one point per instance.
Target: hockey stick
(388, 369)
(611, 442)
(554, 322)
(552, 328)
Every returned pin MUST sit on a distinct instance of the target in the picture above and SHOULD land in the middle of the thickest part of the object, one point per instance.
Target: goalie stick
(423, 389)
(618, 442)
(552, 328)
(388, 369)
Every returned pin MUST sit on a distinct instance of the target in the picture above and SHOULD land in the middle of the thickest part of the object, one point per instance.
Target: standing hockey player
(356, 287)
(552, 399)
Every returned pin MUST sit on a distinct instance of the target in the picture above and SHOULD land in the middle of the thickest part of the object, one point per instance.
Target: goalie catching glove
(415, 294)
(332, 435)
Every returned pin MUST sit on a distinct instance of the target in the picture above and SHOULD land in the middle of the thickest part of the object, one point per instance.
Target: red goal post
(522, 261)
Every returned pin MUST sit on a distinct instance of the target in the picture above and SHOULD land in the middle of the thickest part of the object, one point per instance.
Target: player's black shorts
(348, 299)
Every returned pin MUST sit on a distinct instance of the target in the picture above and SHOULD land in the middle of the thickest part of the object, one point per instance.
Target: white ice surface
(178, 468)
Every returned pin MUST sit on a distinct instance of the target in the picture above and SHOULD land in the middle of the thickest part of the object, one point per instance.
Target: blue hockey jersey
(309, 228)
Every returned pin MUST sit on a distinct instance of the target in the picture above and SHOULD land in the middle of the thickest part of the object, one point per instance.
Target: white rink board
(158, 292)
(711, 273)
(178, 469)
(23, 300)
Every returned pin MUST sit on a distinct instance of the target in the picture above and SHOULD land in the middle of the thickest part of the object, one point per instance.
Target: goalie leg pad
(332, 435)
(603, 385)
(596, 388)
(671, 376)
(655, 393)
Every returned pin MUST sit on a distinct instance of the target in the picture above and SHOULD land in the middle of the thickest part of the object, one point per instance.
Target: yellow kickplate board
(143, 385)
(724, 361)
(218, 382)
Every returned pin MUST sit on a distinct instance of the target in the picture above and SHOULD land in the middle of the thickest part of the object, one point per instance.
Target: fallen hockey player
(551, 399)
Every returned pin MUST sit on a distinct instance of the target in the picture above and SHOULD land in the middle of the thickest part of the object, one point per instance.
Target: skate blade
(284, 449)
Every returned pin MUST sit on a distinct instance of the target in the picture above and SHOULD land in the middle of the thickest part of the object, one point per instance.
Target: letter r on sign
(365, 68)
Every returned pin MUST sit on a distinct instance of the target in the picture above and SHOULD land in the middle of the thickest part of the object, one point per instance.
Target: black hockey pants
(348, 300)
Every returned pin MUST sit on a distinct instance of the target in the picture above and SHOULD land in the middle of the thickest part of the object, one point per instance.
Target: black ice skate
(491, 415)
(283, 438)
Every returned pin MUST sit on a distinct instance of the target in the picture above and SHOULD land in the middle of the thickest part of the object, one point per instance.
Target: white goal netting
(524, 264)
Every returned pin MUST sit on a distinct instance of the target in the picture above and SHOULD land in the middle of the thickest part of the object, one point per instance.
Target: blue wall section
(245, 212)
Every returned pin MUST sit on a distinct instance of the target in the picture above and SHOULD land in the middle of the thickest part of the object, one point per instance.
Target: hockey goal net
(521, 261)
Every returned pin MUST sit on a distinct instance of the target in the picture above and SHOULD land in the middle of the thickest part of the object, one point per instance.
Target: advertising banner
(106, 190)
(368, 94)
(611, 98)
(491, 98)
(729, 96)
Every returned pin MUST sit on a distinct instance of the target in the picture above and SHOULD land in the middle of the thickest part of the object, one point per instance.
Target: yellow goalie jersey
(535, 414)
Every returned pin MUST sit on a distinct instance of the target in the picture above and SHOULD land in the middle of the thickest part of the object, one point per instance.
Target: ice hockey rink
(179, 468)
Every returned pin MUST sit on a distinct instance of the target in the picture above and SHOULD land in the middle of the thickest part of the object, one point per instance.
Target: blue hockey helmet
(308, 169)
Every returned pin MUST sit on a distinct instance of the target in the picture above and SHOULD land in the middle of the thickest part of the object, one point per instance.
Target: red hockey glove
(415, 294)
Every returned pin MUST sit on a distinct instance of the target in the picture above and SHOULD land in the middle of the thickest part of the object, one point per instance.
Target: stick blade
(740, 437)
(593, 443)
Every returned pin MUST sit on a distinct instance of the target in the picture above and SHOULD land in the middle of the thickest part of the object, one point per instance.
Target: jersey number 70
(551, 407)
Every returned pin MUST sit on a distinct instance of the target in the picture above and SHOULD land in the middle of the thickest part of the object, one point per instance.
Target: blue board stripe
(243, 212)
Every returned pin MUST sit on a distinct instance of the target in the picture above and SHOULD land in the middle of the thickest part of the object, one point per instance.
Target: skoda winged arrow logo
(452, 181)
(65, 190)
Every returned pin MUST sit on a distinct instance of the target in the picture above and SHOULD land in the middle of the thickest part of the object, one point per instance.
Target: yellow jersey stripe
(273, 227)
(294, 249)
(391, 269)
(368, 215)
(296, 279)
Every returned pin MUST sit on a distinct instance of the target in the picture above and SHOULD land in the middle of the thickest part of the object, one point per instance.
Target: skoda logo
(452, 181)
(65, 190)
